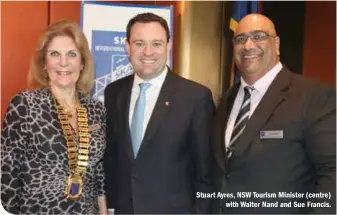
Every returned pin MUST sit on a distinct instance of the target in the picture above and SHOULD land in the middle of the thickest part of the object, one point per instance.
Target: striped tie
(241, 121)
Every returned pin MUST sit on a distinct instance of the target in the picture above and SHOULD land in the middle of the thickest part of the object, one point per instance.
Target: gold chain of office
(77, 159)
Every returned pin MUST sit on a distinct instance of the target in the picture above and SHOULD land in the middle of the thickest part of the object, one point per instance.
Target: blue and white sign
(104, 25)
(111, 59)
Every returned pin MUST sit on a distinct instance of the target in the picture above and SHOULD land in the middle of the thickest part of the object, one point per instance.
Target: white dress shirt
(151, 95)
(260, 88)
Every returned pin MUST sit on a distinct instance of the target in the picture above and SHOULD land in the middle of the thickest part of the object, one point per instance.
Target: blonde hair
(38, 77)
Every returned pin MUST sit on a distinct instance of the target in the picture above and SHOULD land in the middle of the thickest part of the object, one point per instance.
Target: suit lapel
(161, 109)
(274, 96)
(124, 108)
(222, 116)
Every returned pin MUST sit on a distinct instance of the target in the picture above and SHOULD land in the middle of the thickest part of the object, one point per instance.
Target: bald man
(275, 133)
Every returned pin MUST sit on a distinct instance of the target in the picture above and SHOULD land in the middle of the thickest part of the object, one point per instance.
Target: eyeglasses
(255, 36)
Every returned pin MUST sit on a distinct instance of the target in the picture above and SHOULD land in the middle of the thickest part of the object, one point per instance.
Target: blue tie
(138, 118)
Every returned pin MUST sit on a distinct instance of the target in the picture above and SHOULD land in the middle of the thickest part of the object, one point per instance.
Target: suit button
(227, 176)
(134, 178)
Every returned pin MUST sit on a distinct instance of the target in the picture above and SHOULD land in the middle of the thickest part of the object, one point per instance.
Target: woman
(53, 137)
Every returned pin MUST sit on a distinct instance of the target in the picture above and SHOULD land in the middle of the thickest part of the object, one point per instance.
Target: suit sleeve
(320, 142)
(109, 162)
(201, 146)
(13, 144)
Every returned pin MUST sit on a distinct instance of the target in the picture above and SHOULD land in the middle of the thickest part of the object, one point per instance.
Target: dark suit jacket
(173, 161)
(304, 160)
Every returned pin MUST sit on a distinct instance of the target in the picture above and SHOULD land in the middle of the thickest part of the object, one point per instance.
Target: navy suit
(173, 161)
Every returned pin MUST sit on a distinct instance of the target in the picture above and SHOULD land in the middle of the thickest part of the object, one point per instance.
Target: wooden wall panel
(21, 25)
(319, 53)
(65, 10)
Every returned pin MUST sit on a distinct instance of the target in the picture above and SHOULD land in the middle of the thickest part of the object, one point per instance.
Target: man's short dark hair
(147, 18)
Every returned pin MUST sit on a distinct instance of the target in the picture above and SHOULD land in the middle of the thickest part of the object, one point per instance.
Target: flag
(240, 9)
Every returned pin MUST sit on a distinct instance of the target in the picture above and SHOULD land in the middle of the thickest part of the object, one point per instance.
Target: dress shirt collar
(262, 85)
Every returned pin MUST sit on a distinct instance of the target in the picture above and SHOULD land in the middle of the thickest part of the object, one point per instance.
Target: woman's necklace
(77, 159)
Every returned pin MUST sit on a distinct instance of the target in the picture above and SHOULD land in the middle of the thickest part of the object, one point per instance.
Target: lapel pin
(167, 103)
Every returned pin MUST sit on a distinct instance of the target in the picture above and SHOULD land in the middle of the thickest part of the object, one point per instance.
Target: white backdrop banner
(104, 25)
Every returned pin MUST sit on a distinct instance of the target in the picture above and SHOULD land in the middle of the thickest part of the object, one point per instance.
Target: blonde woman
(53, 136)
